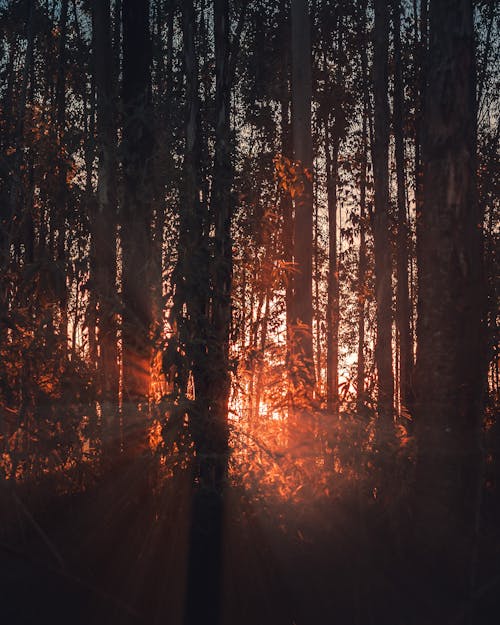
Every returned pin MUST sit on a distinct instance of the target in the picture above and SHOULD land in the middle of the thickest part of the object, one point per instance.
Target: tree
(208, 419)
(302, 341)
(403, 308)
(450, 364)
(380, 216)
(362, 267)
(363, 215)
(332, 146)
(60, 210)
(136, 206)
(104, 226)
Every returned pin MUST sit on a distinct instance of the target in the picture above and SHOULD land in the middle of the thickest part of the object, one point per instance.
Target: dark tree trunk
(223, 260)
(362, 270)
(105, 218)
(450, 360)
(381, 234)
(363, 214)
(286, 203)
(421, 43)
(209, 423)
(302, 341)
(192, 276)
(403, 308)
(13, 206)
(136, 215)
(332, 145)
(62, 197)
(90, 152)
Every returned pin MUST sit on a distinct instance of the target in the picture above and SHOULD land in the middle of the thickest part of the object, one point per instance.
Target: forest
(249, 312)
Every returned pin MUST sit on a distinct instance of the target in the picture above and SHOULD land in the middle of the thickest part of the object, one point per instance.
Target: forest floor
(116, 554)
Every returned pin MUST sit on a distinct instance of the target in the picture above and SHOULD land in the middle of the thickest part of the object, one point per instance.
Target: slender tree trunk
(318, 312)
(187, 350)
(136, 217)
(302, 343)
(91, 313)
(223, 262)
(286, 198)
(160, 157)
(403, 308)
(136, 228)
(209, 425)
(362, 268)
(381, 235)
(192, 278)
(366, 138)
(421, 43)
(332, 146)
(105, 223)
(61, 208)
(450, 356)
(13, 207)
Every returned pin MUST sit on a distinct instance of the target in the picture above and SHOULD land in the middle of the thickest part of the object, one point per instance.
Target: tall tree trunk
(421, 43)
(403, 308)
(381, 235)
(61, 208)
(362, 269)
(160, 157)
(223, 261)
(191, 274)
(302, 342)
(286, 203)
(105, 219)
(366, 137)
(450, 356)
(209, 425)
(90, 150)
(332, 145)
(13, 206)
(318, 311)
(192, 282)
(136, 216)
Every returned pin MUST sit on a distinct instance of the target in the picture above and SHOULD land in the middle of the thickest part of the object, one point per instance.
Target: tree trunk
(11, 210)
(403, 308)
(450, 357)
(136, 217)
(302, 342)
(362, 269)
(61, 208)
(381, 235)
(105, 220)
(421, 43)
(209, 424)
(90, 151)
(286, 203)
(333, 307)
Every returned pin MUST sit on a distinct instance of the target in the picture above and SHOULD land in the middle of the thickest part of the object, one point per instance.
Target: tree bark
(363, 216)
(362, 270)
(421, 43)
(136, 215)
(286, 203)
(403, 308)
(302, 342)
(62, 197)
(450, 369)
(381, 234)
(332, 145)
(105, 218)
(209, 424)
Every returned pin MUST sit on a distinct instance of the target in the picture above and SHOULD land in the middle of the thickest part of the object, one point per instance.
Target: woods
(248, 306)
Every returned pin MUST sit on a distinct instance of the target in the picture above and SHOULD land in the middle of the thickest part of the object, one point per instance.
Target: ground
(116, 554)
